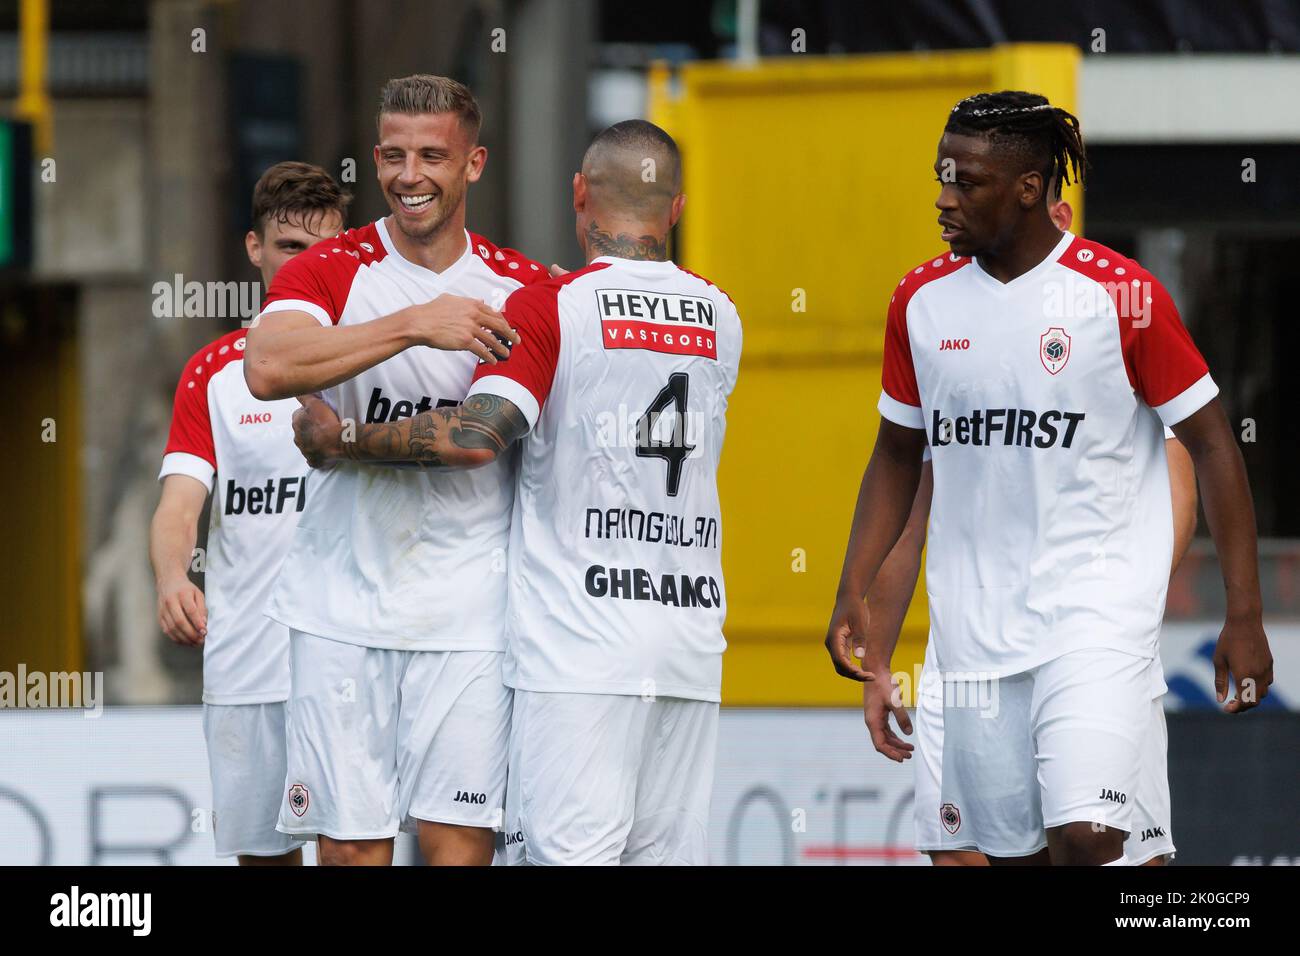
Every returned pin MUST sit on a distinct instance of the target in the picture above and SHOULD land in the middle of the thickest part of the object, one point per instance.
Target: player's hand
(456, 323)
(182, 611)
(557, 271)
(880, 698)
(317, 432)
(846, 639)
(1243, 653)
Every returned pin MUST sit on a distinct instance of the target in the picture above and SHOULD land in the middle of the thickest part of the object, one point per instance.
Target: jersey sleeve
(190, 448)
(900, 399)
(313, 282)
(525, 377)
(1164, 366)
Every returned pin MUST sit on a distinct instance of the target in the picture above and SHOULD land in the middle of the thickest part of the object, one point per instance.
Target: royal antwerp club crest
(950, 816)
(299, 799)
(1054, 349)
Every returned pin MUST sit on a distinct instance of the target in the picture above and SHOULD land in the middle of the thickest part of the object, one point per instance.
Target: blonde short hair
(426, 93)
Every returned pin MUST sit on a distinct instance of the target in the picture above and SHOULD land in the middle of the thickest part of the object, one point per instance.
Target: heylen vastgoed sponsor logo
(657, 321)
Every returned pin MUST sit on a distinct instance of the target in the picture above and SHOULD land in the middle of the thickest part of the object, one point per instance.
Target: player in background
(225, 442)
(616, 592)
(889, 597)
(394, 589)
(1050, 540)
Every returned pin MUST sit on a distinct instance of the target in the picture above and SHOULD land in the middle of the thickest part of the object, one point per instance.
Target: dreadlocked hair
(1047, 136)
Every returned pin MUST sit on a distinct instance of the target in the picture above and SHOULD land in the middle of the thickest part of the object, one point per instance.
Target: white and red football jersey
(1042, 399)
(391, 557)
(623, 372)
(241, 449)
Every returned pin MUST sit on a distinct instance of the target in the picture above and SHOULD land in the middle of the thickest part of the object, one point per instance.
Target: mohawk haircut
(1046, 137)
(294, 190)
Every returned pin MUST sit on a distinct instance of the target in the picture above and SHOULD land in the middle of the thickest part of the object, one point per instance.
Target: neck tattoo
(624, 246)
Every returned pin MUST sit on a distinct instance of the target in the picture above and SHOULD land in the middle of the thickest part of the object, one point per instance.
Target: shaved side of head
(633, 170)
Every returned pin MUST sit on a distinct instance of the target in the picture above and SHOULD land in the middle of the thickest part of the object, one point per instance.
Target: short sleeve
(313, 282)
(1164, 366)
(900, 399)
(190, 449)
(525, 377)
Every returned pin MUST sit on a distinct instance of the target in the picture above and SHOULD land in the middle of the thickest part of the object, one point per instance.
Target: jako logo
(948, 345)
(464, 796)
(103, 909)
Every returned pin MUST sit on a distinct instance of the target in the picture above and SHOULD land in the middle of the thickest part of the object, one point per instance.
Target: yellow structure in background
(33, 103)
(40, 563)
(810, 191)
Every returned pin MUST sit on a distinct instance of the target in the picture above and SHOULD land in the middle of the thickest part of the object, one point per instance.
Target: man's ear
(579, 192)
(477, 161)
(679, 203)
(1031, 190)
(253, 246)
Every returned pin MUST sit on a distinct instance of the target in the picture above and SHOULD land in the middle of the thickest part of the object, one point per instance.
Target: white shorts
(1152, 833)
(246, 760)
(927, 764)
(380, 739)
(1062, 743)
(603, 779)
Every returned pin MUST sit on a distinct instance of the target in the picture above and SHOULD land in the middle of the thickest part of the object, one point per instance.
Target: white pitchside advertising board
(799, 787)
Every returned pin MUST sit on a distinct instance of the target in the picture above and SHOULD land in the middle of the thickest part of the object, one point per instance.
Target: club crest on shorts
(299, 799)
(1054, 349)
(950, 817)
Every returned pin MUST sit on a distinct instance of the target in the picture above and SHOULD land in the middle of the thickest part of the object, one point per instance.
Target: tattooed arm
(469, 435)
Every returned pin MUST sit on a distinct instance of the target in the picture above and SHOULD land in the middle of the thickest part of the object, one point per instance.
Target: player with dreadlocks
(1037, 367)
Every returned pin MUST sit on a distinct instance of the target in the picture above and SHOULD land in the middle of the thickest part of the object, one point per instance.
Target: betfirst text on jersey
(623, 370)
(242, 450)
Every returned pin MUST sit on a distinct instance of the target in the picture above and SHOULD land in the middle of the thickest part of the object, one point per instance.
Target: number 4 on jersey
(675, 450)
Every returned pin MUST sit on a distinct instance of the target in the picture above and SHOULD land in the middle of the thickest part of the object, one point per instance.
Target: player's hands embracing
(182, 611)
(1243, 652)
(317, 432)
(456, 323)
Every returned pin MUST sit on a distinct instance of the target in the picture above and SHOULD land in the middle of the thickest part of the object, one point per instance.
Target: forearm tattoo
(443, 437)
(624, 246)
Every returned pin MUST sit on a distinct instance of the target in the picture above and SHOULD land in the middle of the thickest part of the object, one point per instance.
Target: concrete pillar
(549, 43)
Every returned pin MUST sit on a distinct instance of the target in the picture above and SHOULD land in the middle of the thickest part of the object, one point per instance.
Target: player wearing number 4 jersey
(1038, 366)
(616, 593)
(394, 589)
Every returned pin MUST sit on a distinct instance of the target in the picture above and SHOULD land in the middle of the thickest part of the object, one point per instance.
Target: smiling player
(394, 590)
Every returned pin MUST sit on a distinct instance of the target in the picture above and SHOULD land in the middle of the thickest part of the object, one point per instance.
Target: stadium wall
(792, 787)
